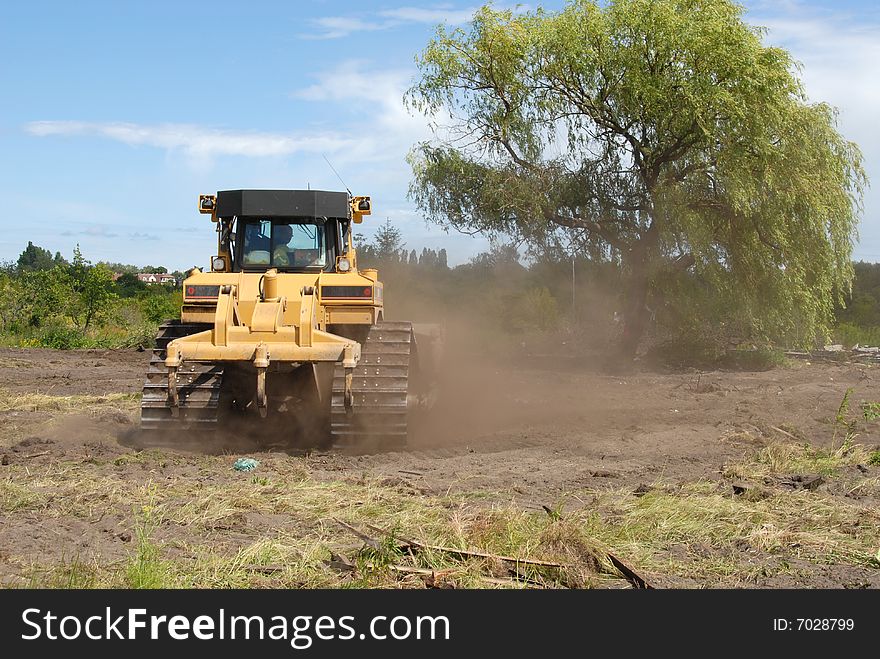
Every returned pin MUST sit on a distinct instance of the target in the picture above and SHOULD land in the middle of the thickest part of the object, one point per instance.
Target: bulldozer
(286, 334)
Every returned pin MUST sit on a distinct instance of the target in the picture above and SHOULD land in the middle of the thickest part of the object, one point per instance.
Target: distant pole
(573, 316)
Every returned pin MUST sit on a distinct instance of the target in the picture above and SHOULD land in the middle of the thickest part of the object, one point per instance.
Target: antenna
(337, 174)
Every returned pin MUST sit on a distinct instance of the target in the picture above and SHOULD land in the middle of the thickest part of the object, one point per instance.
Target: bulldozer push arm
(261, 339)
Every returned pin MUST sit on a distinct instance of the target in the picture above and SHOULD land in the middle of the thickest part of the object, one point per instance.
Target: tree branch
(593, 226)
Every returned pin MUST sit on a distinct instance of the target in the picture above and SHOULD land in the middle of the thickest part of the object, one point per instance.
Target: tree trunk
(635, 312)
(636, 315)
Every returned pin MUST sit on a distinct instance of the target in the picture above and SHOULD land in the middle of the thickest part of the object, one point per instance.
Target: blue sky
(116, 115)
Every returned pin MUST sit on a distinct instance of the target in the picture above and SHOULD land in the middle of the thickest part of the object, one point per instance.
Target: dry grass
(31, 402)
(781, 458)
(212, 527)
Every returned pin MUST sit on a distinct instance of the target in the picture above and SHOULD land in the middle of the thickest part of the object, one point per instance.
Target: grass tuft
(31, 402)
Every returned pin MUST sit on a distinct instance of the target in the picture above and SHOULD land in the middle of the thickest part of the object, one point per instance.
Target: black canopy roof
(282, 203)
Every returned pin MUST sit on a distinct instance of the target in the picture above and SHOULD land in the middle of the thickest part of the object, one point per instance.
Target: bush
(849, 335)
(143, 336)
(533, 309)
(704, 353)
(760, 359)
(161, 306)
(61, 337)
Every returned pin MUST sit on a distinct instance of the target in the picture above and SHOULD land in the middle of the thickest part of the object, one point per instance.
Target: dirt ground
(529, 432)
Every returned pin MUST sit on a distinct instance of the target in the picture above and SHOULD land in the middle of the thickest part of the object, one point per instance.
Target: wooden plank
(637, 580)
(631, 575)
(466, 553)
(786, 433)
(264, 569)
(372, 542)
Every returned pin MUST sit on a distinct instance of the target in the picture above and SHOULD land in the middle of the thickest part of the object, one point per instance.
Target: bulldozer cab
(291, 244)
(296, 231)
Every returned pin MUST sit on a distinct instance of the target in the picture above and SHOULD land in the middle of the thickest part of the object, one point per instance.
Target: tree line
(47, 300)
(387, 246)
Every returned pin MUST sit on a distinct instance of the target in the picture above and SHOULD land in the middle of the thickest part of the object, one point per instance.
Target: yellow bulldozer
(284, 326)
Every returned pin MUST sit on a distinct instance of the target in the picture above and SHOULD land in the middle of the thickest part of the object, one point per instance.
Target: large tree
(662, 135)
(35, 257)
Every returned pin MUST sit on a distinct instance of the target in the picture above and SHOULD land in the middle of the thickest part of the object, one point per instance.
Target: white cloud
(380, 128)
(385, 129)
(354, 79)
(422, 15)
(335, 27)
(195, 141)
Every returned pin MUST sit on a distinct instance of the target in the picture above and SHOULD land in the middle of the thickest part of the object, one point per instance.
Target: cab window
(285, 245)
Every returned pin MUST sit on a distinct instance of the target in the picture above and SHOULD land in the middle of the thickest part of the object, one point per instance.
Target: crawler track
(381, 388)
(198, 386)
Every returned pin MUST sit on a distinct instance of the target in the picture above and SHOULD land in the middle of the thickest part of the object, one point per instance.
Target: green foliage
(687, 350)
(388, 243)
(859, 318)
(850, 335)
(533, 309)
(146, 569)
(758, 359)
(388, 249)
(122, 268)
(703, 351)
(863, 305)
(161, 305)
(661, 135)
(34, 298)
(870, 410)
(93, 289)
(530, 301)
(62, 337)
(37, 258)
(128, 285)
(78, 305)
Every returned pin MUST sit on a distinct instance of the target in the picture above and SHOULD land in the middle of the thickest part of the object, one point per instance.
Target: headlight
(343, 265)
(218, 264)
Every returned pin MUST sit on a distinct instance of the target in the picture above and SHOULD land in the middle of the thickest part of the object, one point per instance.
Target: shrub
(850, 334)
(61, 337)
(158, 307)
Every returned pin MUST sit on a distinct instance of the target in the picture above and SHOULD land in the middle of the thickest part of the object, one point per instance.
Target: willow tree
(662, 135)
